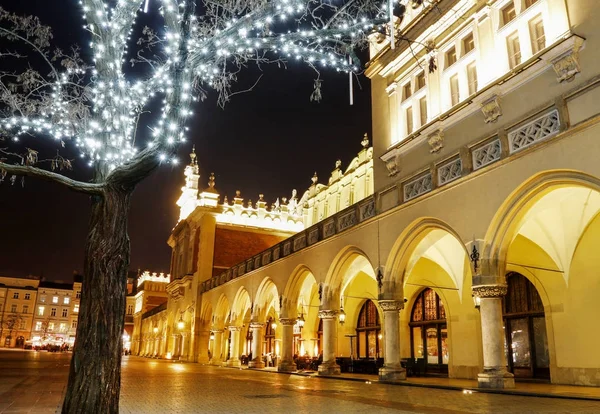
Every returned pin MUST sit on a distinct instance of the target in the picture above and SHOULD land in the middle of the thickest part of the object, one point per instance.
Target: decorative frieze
(418, 186)
(276, 253)
(449, 171)
(367, 209)
(391, 305)
(487, 154)
(313, 236)
(287, 248)
(537, 130)
(491, 109)
(347, 220)
(328, 228)
(300, 242)
(490, 291)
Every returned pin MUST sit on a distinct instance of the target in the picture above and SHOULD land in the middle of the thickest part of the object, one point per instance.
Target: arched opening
(20, 342)
(368, 332)
(526, 341)
(269, 343)
(429, 333)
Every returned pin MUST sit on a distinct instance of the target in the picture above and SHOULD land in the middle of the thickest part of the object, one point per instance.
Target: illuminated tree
(95, 107)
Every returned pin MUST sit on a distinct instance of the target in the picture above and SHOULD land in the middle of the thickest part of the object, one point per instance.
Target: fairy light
(107, 136)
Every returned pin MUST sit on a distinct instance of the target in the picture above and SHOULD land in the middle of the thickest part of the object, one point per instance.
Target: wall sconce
(476, 301)
(342, 315)
(212, 336)
(155, 329)
(273, 324)
(380, 336)
(181, 323)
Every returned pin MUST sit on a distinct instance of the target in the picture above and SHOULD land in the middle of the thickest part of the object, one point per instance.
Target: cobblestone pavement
(34, 382)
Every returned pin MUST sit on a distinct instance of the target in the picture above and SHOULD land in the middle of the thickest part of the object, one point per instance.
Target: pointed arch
(267, 296)
(526, 212)
(300, 285)
(222, 309)
(429, 238)
(241, 304)
(347, 263)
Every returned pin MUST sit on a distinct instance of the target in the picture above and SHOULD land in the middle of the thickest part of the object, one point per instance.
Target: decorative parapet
(418, 186)
(537, 130)
(153, 277)
(486, 154)
(449, 171)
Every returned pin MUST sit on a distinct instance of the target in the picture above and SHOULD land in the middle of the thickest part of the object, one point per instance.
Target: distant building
(17, 304)
(52, 320)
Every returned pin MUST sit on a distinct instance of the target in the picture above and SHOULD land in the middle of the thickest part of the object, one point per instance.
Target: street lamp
(181, 323)
(300, 321)
(342, 316)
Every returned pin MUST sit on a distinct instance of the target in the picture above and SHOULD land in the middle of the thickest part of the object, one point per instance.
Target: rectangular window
(420, 80)
(54, 299)
(529, 3)
(62, 327)
(66, 300)
(468, 43)
(23, 325)
(51, 326)
(38, 326)
(129, 309)
(423, 110)
(514, 50)
(472, 78)
(76, 308)
(13, 308)
(451, 56)
(16, 295)
(78, 294)
(538, 37)
(28, 296)
(43, 298)
(409, 120)
(64, 313)
(25, 308)
(53, 312)
(74, 324)
(41, 311)
(406, 91)
(508, 13)
(454, 93)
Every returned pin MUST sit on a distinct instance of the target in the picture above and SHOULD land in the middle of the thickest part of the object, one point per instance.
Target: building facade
(17, 305)
(470, 250)
(52, 321)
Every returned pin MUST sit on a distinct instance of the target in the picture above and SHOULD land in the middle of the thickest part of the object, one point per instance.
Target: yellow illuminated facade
(472, 255)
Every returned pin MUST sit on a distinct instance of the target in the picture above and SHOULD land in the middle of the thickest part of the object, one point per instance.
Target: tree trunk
(95, 373)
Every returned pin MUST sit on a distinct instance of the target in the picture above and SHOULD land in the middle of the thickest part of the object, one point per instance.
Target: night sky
(269, 141)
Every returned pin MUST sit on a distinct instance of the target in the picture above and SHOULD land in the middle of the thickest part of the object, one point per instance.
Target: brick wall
(235, 246)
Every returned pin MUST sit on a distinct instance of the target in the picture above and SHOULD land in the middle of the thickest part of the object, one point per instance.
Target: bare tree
(11, 322)
(95, 107)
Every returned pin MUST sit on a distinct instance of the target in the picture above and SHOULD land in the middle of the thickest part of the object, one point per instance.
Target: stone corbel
(392, 162)
(567, 66)
(436, 141)
(491, 109)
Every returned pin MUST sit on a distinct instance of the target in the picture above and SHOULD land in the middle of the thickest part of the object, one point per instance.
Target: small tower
(189, 193)
(210, 196)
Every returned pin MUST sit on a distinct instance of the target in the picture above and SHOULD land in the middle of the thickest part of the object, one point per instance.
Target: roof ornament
(314, 179)
(193, 156)
(211, 181)
(338, 164)
(365, 141)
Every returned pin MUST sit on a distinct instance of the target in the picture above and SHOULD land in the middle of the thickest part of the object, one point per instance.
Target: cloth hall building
(463, 242)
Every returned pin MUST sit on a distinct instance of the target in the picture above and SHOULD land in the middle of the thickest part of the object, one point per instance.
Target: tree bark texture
(95, 373)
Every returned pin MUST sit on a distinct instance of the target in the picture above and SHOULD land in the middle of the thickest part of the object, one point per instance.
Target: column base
(392, 373)
(203, 359)
(287, 366)
(495, 378)
(329, 368)
(234, 363)
(256, 363)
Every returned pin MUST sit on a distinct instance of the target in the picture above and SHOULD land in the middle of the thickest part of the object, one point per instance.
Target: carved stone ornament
(490, 291)
(436, 141)
(566, 66)
(391, 305)
(254, 325)
(491, 109)
(392, 166)
(217, 331)
(287, 321)
(234, 328)
(328, 314)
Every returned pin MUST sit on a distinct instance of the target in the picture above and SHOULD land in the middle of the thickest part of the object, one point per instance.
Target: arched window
(429, 332)
(269, 337)
(525, 329)
(368, 329)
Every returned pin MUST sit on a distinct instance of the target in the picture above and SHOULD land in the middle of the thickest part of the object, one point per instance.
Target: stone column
(183, 355)
(257, 339)
(392, 369)
(175, 342)
(217, 357)
(328, 366)
(287, 345)
(494, 373)
(203, 342)
(234, 347)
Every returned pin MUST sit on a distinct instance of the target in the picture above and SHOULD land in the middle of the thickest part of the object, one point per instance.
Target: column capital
(256, 325)
(490, 291)
(287, 321)
(391, 305)
(328, 314)
(217, 330)
(234, 328)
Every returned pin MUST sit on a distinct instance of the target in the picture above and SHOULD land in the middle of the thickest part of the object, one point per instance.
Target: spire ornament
(365, 141)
